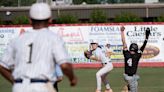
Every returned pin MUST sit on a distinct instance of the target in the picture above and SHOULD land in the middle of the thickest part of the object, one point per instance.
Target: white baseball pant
(132, 82)
(101, 75)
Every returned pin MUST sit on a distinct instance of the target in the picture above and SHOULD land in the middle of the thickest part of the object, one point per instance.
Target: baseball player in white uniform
(29, 60)
(108, 50)
(101, 75)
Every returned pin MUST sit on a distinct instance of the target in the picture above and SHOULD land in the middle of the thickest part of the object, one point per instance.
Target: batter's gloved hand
(87, 54)
(147, 32)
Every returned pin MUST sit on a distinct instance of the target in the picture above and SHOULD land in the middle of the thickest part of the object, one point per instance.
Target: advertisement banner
(78, 37)
(6, 35)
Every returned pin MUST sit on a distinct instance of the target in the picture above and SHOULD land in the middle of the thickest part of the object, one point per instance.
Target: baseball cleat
(125, 89)
(108, 90)
(98, 91)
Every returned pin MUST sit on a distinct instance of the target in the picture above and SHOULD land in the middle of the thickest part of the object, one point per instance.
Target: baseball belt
(32, 80)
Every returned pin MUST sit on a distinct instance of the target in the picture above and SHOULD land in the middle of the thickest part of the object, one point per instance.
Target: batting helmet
(133, 47)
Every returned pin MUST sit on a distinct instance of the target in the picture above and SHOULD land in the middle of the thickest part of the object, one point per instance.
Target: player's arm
(110, 53)
(68, 71)
(97, 55)
(89, 55)
(6, 73)
(123, 38)
(7, 63)
(147, 33)
(95, 58)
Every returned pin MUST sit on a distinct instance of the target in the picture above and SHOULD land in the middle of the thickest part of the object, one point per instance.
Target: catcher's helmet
(133, 47)
(40, 11)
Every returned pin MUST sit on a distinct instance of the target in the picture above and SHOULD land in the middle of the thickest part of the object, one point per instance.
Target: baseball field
(151, 80)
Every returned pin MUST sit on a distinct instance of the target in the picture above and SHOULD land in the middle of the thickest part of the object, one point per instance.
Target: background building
(147, 11)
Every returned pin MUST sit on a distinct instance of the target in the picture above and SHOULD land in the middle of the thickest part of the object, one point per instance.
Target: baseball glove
(88, 54)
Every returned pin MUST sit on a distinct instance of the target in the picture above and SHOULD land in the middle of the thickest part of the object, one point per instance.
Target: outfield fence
(78, 36)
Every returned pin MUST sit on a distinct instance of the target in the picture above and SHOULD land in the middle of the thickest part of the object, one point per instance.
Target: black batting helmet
(133, 47)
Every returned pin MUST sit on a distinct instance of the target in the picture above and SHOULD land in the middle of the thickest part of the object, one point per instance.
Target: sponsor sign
(78, 37)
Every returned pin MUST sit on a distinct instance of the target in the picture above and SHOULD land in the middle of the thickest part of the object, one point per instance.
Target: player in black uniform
(131, 59)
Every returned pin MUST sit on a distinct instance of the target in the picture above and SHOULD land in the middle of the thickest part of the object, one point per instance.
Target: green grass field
(152, 80)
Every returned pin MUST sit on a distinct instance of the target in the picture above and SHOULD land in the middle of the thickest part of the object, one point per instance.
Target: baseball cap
(40, 11)
(94, 41)
(107, 42)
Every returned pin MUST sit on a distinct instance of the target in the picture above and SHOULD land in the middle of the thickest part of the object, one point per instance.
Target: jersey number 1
(30, 54)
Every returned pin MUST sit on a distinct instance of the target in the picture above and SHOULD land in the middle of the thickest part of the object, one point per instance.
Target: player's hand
(147, 32)
(122, 28)
(73, 82)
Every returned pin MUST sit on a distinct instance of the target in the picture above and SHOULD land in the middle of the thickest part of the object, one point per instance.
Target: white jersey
(34, 54)
(101, 54)
(108, 49)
